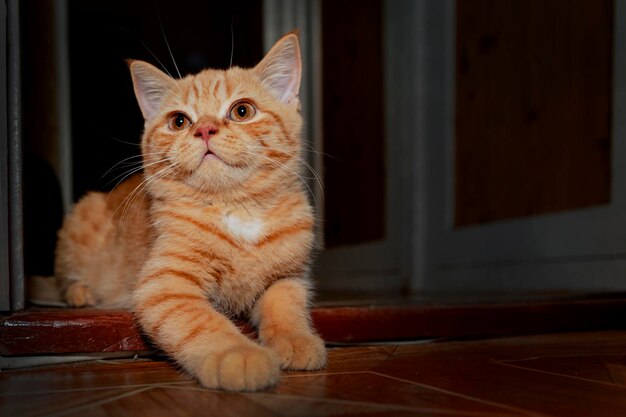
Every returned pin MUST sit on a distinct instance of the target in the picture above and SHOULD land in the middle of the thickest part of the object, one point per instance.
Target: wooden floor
(572, 374)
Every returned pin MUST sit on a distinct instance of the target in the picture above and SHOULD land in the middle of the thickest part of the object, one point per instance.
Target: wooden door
(524, 185)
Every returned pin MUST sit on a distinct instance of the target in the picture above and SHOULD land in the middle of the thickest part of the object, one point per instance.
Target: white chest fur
(249, 229)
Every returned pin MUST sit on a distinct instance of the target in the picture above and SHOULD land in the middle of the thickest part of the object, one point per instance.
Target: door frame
(11, 238)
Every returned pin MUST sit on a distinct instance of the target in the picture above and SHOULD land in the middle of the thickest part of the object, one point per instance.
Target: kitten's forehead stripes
(210, 92)
(196, 88)
(216, 85)
(218, 91)
(229, 87)
(193, 94)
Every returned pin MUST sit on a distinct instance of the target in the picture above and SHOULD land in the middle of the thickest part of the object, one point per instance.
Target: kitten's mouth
(209, 154)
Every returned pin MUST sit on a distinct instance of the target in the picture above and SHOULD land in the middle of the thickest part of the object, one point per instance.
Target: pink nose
(205, 132)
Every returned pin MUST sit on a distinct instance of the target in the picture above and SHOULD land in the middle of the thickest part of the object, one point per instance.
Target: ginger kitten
(217, 226)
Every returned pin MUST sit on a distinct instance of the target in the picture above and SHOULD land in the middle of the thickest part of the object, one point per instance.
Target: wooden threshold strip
(64, 331)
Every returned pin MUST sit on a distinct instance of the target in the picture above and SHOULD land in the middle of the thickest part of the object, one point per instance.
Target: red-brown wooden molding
(61, 331)
(361, 324)
(52, 331)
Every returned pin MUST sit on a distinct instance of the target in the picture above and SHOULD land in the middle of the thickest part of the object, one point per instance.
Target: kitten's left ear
(281, 69)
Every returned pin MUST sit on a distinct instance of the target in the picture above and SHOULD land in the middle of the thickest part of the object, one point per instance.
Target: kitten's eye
(242, 111)
(179, 121)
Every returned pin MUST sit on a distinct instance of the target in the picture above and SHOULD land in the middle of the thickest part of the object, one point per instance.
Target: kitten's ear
(151, 86)
(281, 69)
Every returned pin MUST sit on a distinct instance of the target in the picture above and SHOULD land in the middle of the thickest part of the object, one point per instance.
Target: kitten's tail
(44, 291)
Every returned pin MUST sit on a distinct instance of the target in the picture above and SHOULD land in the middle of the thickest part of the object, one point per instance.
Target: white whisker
(232, 41)
(166, 42)
(316, 177)
(127, 174)
(133, 195)
(289, 170)
(131, 157)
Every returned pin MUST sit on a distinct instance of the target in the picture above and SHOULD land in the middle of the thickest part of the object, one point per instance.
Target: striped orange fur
(217, 226)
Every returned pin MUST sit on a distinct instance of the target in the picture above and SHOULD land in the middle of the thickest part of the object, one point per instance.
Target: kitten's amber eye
(242, 111)
(178, 121)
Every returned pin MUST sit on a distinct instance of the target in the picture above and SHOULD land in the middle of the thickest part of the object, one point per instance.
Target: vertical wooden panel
(5, 271)
(14, 130)
(353, 122)
(533, 107)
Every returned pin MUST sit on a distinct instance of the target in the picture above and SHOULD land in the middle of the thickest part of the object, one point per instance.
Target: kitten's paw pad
(79, 295)
(242, 368)
(300, 352)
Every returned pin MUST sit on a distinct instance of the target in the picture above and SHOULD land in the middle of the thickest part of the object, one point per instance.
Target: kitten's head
(223, 132)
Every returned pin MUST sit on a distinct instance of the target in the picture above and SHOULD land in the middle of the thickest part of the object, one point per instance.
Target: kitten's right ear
(281, 69)
(151, 86)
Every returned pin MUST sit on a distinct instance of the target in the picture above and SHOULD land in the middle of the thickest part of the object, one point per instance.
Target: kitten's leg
(77, 294)
(284, 323)
(172, 308)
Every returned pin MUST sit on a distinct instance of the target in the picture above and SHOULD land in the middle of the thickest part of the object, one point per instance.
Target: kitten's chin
(215, 176)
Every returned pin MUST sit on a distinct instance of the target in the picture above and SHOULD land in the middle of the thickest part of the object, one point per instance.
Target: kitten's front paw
(79, 295)
(241, 368)
(299, 351)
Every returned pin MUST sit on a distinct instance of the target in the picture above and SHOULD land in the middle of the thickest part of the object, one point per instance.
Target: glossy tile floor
(576, 374)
